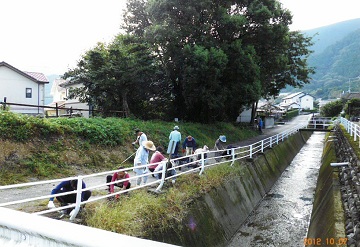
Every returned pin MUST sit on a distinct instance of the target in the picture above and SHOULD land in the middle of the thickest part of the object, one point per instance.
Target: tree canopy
(207, 58)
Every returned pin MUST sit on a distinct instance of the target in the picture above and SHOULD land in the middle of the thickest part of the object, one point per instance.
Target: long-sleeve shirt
(175, 136)
(116, 177)
(65, 186)
(141, 158)
(191, 143)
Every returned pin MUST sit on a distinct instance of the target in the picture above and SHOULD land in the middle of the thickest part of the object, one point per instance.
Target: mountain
(336, 60)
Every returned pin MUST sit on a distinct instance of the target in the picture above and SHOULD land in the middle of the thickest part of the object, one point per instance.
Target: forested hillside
(336, 59)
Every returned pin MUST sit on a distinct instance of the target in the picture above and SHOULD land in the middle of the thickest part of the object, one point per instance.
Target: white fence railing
(196, 163)
(352, 128)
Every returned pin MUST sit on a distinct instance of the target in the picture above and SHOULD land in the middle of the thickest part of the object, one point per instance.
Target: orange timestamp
(325, 241)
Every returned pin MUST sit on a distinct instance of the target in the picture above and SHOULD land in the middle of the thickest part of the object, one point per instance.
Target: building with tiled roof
(22, 89)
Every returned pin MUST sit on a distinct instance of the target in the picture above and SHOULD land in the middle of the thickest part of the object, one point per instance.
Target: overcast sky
(49, 36)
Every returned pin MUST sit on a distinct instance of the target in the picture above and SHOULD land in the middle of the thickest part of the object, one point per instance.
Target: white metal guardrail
(196, 164)
(15, 225)
(352, 128)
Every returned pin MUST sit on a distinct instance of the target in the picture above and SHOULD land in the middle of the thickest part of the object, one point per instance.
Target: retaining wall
(327, 224)
(215, 217)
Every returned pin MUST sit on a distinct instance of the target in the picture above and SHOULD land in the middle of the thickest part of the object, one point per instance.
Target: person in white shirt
(141, 159)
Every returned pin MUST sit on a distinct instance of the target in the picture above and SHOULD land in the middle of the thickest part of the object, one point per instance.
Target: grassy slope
(52, 148)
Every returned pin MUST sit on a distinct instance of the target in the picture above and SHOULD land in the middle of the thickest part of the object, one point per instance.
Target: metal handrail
(208, 159)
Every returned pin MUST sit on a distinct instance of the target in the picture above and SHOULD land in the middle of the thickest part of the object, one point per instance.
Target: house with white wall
(75, 103)
(60, 91)
(298, 100)
(58, 94)
(20, 87)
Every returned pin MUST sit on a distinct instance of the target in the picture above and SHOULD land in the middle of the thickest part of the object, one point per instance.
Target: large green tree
(120, 76)
(221, 55)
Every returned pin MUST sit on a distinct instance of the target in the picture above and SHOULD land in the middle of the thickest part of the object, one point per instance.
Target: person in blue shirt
(66, 186)
(175, 138)
(261, 125)
(189, 145)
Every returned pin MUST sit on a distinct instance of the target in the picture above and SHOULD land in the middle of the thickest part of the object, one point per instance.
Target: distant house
(59, 97)
(60, 92)
(22, 87)
(298, 101)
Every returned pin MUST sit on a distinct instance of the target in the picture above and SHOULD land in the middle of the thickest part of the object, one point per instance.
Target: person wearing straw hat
(141, 159)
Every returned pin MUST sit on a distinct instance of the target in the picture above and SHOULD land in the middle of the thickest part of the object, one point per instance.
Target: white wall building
(22, 87)
(75, 103)
(298, 101)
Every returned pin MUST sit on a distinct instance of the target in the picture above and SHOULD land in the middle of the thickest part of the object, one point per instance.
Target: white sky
(309, 14)
(49, 36)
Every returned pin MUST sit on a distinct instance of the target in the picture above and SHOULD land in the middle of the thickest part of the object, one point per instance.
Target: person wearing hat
(189, 145)
(140, 137)
(220, 146)
(175, 139)
(141, 159)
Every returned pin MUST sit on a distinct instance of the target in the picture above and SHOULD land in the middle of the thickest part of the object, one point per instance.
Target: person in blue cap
(220, 145)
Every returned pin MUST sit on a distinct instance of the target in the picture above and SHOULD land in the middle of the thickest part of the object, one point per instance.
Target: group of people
(157, 163)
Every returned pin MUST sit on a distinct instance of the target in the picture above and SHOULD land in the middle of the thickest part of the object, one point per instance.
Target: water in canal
(282, 218)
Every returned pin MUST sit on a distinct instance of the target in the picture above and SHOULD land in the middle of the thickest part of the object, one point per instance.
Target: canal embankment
(215, 217)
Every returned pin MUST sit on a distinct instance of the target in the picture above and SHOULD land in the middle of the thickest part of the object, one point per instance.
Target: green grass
(58, 147)
(141, 212)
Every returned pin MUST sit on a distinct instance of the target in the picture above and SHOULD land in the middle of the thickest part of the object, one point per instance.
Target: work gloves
(51, 205)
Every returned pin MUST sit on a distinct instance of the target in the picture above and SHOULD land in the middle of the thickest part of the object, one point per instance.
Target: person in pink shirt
(124, 185)
(156, 158)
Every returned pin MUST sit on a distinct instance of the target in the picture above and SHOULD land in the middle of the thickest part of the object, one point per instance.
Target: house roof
(350, 96)
(293, 95)
(56, 87)
(34, 76)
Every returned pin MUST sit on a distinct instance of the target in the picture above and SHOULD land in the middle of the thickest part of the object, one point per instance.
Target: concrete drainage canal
(282, 217)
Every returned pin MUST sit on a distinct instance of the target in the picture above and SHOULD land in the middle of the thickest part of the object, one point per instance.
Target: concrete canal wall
(215, 217)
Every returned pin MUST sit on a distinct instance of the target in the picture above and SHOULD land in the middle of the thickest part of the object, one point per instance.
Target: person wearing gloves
(189, 145)
(174, 139)
(140, 137)
(66, 186)
(141, 159)
(124, 185)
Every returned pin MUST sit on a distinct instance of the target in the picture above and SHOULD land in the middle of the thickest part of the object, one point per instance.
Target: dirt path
(8, 195)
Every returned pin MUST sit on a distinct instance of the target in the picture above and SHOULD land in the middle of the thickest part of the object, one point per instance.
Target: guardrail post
(277, 139)
(78, 198)
(271, 142)
(250, 151)
(202, 163)
(262, 146)
(163, 174)
(232, 156)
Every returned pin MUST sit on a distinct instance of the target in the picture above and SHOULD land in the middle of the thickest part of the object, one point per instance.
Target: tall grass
(141, 213)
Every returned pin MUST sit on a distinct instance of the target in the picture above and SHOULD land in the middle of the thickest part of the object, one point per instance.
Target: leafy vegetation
(49, 148)
(332, 109)
(142, 212)
(201, 61)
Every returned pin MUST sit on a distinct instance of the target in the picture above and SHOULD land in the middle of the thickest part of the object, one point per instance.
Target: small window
(28, 93)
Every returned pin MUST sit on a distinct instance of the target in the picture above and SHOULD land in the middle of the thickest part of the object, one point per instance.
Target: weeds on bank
(354, 144)
(141, 213)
